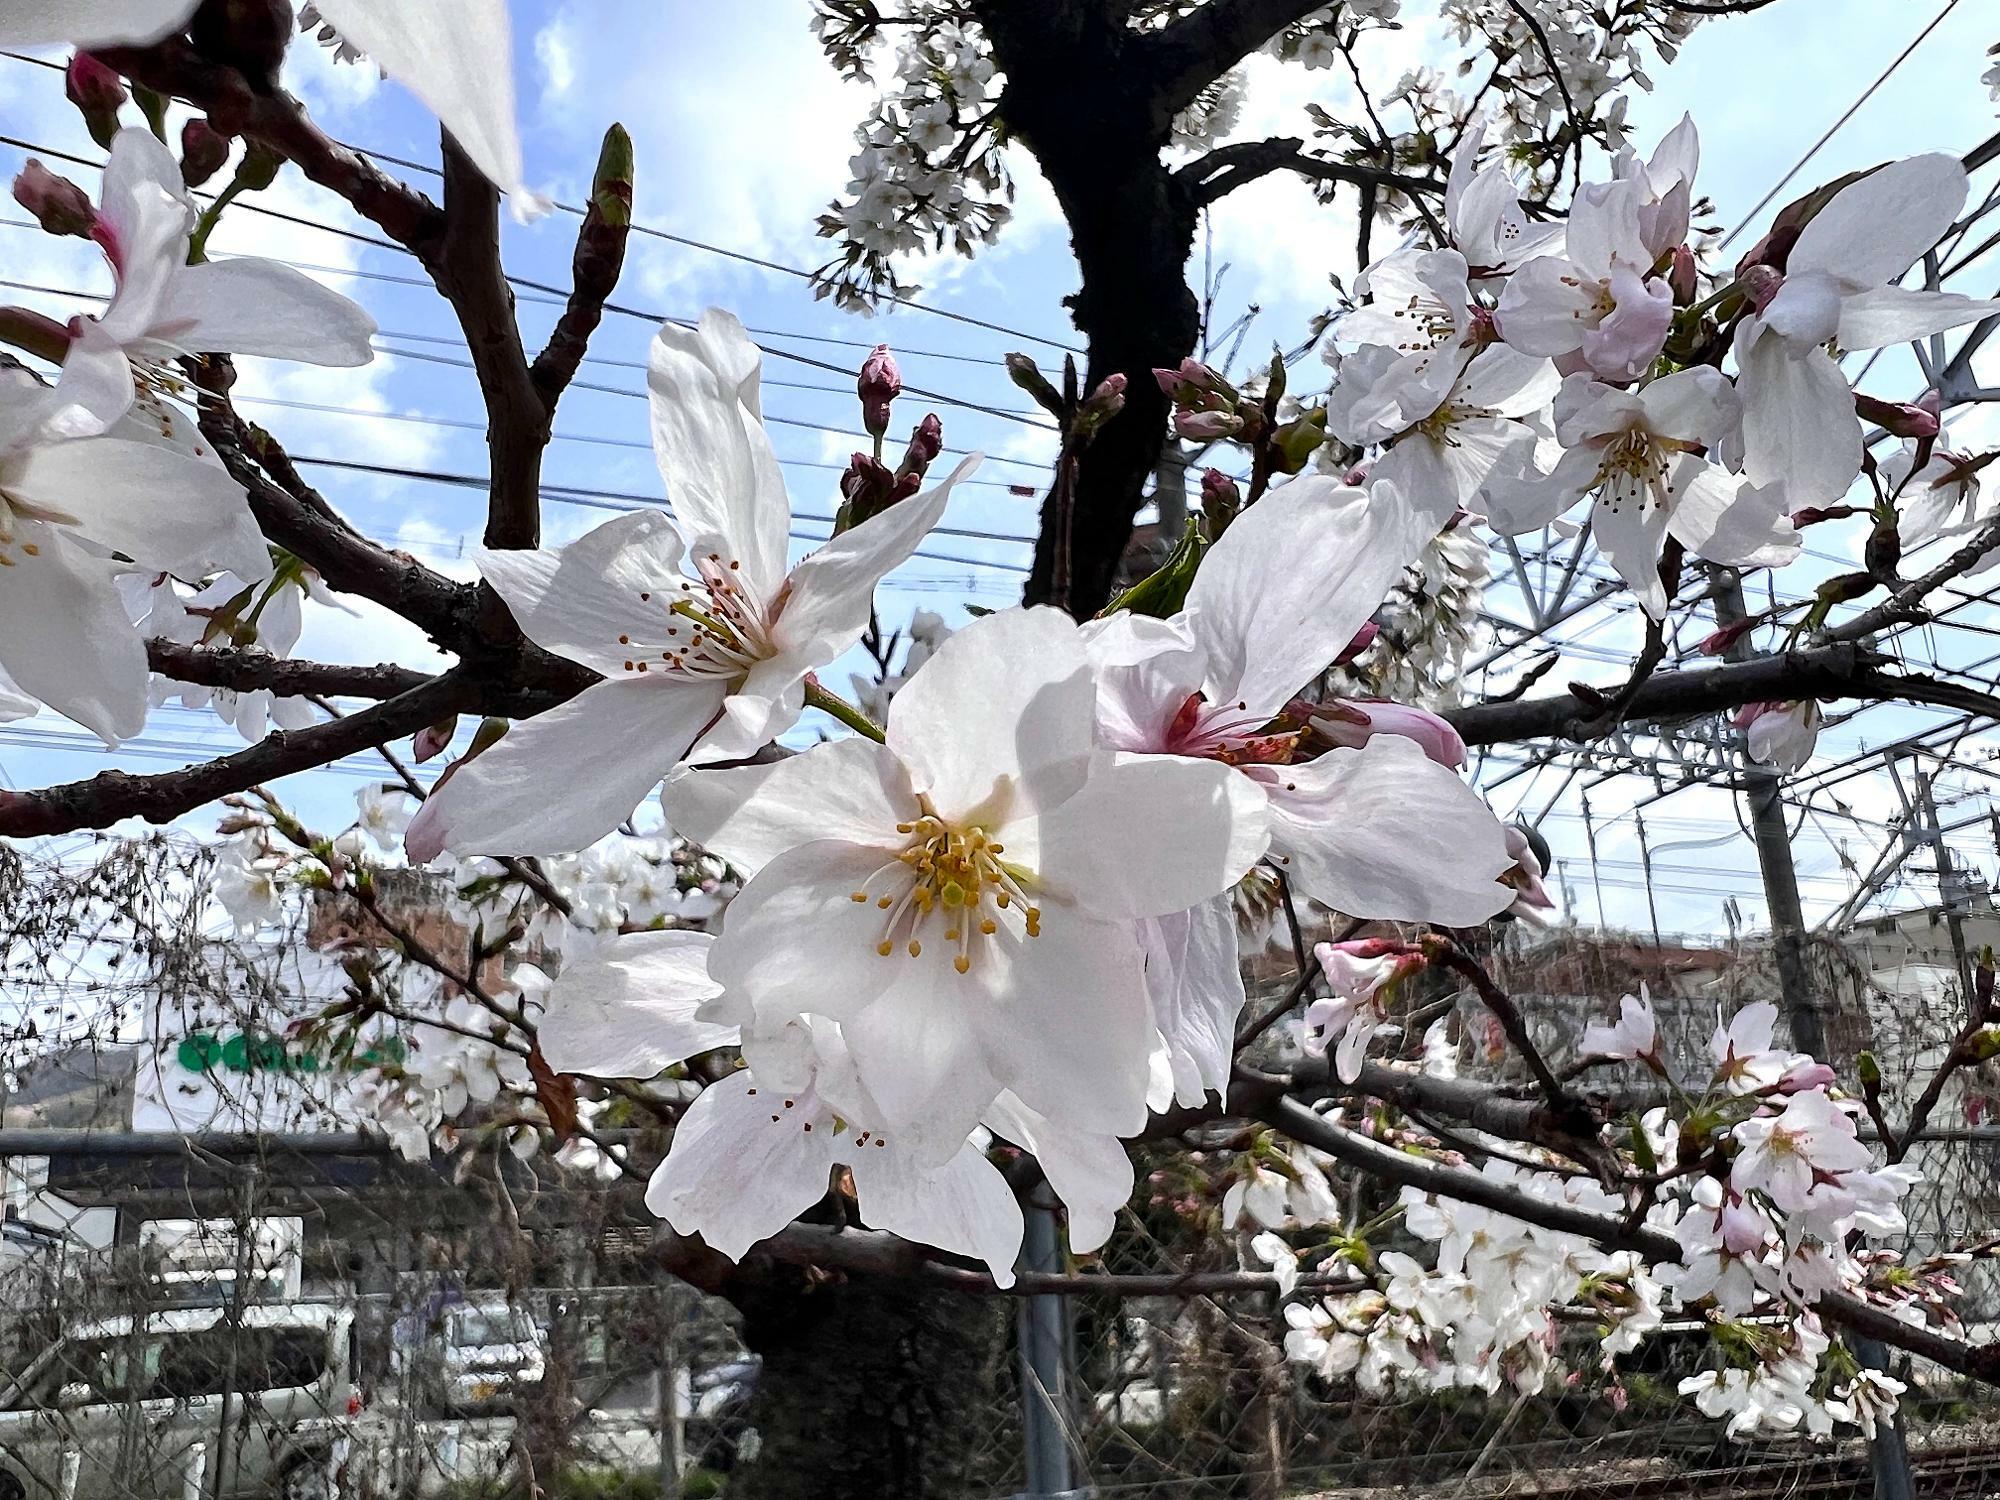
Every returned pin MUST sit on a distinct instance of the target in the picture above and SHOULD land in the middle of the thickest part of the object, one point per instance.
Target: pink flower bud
(97, 94)
(1681, 276)
(1804, 1076)
(1723, 639)
(1743, 1228)
(204, 149)
(1206, 426)
(59, 205)
(429, 743)
(1901, 419)
(1760, 284)
(1363, 639)
(1217, 488)
(1356, 476)
(880, 383)
(1438, 740)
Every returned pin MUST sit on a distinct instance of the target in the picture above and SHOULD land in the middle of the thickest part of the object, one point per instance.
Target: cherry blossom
(1483, 211)
(66, 638)
(1595, 301)
(1780, 734)
(1360, 973)
(162, 307)
(1636, 1037)
(720, 657)
(1838, 286)
(960, 898)
(1785, 1155)
(1641, 453)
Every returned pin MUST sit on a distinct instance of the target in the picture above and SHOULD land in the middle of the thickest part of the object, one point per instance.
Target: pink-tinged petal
(1194, 985)
(604, 599)
(1625, 344)
(1362, 720)
(65, 638)
(1108, 846)
(722, 474)
(963, 1205)
(629, 1010)
(1799, 426)
(833, 589)
(91, 23)
(1004, 712)
(853, 790)
(457, 57)
(564, 779)
(1294, 577)
(1888, 315)
(735, 1174)
(1386, 832)
(1877, 226)
(1546, 306)
(144, 224)
(254, 306)
(1092, 1174)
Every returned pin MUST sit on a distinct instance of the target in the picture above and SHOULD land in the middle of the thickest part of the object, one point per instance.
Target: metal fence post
(1042, 1333)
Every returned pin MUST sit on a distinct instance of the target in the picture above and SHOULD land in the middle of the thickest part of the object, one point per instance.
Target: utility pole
(1951, 894)
(1888, 1453)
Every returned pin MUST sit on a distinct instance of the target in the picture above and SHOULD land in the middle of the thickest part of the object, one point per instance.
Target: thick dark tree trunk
(871, 1388)
(1080, 96)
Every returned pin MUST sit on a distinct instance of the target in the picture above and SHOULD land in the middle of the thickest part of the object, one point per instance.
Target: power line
(1831, 130)
(546, 289)
(672, 238)
(597, 500)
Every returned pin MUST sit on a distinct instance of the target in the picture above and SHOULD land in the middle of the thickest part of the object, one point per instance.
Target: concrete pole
(1804, 1006)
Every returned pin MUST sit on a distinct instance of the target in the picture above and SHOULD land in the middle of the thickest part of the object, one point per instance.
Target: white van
(129, 1407)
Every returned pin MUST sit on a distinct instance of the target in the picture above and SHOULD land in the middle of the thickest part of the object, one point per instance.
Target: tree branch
(1838, 671)
(249, 671)
(1979, 1362)
(111, 795)
(1906, 604)
(275, 119)
(594, 268)
(305, 525)
(465, 264)
(1191, 53)
(1222, 171)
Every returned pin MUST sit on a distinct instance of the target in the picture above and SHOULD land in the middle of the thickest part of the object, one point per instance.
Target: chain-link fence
(223, 1314)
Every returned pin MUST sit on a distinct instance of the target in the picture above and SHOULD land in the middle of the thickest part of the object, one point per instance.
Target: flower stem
(832, 703)
(210, 217)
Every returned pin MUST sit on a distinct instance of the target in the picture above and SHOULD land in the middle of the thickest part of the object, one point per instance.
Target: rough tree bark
(1083, 96)
(871, 1387)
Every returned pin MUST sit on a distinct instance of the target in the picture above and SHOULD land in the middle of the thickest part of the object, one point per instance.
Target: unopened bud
(1845, 588)
(1681, 276)
(1884, 551)
(1812, 515)
(1101, 406)
(1025, 373)
(1759, 284)
(203, 151)
(98, 95)
(431, 742)
(259, 167)
(59, 205)
(1720, 642)
(880, 383)
(1869, 1070)
(1296, 442)
(1903, 419)
(1218, 490)
(1206, 426)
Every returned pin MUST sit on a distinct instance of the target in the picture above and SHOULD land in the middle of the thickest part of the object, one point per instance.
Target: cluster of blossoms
(119, 523)
(930, 170)
(1008, 909)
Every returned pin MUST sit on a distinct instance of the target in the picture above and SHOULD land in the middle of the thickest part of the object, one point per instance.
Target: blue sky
(743, 135)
